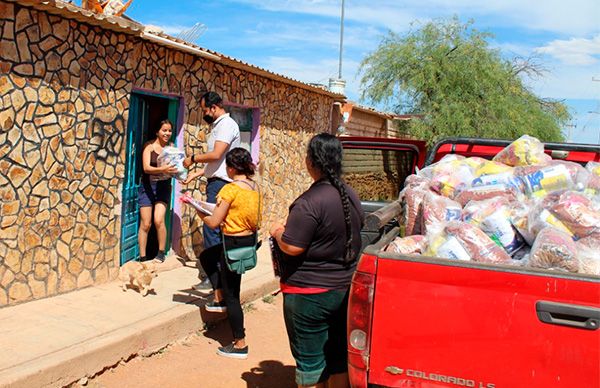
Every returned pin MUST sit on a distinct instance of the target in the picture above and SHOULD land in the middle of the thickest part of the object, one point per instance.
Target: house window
(243, 117)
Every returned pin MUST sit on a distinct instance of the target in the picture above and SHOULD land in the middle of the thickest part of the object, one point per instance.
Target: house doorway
(146, 111)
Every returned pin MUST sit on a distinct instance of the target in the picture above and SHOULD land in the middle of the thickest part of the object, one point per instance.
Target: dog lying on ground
(139, 275)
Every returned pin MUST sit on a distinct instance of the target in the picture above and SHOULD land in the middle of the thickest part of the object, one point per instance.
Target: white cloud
(575, 51)
(311, 71)
(575, 17)
(568, 82)
(311, 33)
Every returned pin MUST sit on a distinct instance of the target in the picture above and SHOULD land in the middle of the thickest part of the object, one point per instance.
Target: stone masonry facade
(64, 105)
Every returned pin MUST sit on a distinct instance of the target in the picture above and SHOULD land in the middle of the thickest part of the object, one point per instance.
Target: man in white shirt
(224, 136)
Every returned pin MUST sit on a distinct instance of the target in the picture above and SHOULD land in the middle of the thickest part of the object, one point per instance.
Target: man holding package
(224, 135)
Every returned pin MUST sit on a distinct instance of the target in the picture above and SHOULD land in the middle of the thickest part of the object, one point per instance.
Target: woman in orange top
(237, 214)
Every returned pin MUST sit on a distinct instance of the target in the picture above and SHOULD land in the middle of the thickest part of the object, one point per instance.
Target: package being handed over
(173, 156)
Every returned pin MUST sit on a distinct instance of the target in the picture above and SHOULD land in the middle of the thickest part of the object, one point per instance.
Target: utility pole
(341, 41)
(569, 131)
(338, 85)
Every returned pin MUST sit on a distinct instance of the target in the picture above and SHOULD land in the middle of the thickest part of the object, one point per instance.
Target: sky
(301, 39)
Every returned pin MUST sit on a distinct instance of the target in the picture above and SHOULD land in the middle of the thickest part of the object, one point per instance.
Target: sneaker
(160, 257)
(233, 352)
(216, 307)
(204, 285)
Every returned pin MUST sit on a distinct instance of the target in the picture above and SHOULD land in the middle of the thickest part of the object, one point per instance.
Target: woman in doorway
(237, 213)
(321, 240)
(154, 193)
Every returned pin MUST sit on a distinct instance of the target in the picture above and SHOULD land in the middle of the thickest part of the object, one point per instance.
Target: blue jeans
(213, 249)
(212, 237)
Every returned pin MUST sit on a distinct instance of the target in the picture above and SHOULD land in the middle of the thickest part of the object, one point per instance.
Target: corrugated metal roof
(387, 115)
(131, 27)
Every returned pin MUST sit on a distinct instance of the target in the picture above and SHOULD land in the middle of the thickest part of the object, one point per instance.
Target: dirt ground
(193, 362)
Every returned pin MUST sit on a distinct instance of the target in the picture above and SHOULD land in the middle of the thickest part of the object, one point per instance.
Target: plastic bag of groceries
(588, 250)
(493, 217)
(463, 241)
(489, 167)
(577, 213)
(540, 217)
(520, 211)
(593, 167)
(591, 182)
(438, 210)
(579, 175)
(414, 180)
(407, 245)
(173, 156)
(554, 249)
(412, 202)
(480, 193)
(526, 150)
(448, 247)
(450, 175)
(539, 181)
(441, 165)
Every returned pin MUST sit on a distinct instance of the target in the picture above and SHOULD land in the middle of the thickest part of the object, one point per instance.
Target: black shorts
(151, 192)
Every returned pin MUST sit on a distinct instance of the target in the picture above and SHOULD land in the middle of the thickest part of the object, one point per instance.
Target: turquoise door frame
(137, 125)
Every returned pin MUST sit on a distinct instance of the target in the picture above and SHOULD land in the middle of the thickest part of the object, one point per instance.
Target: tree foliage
(447, 72)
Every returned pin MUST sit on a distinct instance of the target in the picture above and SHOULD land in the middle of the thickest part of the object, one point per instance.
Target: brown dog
(138, 275)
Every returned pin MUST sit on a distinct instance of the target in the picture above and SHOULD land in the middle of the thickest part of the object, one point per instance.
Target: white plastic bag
(173, 156)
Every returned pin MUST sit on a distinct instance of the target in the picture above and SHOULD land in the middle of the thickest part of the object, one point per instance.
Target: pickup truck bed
(417, 321)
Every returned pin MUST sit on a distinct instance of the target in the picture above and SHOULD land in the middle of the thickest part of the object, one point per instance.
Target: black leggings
(231, 282)
(210, 261)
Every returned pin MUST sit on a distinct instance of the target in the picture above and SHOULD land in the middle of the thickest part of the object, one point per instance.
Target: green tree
(446, 72)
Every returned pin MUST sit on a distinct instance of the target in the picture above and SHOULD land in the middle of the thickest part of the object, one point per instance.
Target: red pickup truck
(416, 321)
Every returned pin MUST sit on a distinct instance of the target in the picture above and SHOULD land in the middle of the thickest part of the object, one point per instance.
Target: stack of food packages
(521, 208)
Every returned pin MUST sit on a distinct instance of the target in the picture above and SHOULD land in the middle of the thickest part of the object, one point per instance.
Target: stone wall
(64, 99)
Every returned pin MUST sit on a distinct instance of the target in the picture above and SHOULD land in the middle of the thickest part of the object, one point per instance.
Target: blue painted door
(138, 116)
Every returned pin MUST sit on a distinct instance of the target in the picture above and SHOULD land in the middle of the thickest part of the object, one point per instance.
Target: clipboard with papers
(203, 207)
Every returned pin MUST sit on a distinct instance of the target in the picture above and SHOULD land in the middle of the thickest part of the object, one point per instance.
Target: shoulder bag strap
(256, 188)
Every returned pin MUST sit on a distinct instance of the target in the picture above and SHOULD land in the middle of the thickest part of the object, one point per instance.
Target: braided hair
(325, 154)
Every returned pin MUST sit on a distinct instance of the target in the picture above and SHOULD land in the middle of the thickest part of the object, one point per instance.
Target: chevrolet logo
(394, 370)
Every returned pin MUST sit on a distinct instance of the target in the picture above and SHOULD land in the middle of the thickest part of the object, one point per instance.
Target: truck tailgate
(440, 324)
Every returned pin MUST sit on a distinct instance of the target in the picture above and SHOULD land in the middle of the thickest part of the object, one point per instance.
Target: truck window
(377, 174)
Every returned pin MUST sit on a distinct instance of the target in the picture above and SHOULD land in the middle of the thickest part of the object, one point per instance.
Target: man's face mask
(208, 118)
(208, 115)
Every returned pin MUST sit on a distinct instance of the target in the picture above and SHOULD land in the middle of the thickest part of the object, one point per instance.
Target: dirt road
(194, 363)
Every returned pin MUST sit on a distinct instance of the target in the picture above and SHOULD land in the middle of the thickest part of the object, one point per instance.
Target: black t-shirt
(316, 223)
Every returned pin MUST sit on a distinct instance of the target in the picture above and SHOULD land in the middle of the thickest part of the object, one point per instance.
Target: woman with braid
(321, 242)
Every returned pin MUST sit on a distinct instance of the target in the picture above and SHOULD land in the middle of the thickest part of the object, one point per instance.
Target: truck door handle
(581, 317)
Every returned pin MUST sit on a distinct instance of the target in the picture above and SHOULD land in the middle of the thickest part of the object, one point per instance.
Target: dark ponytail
(325, 154)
